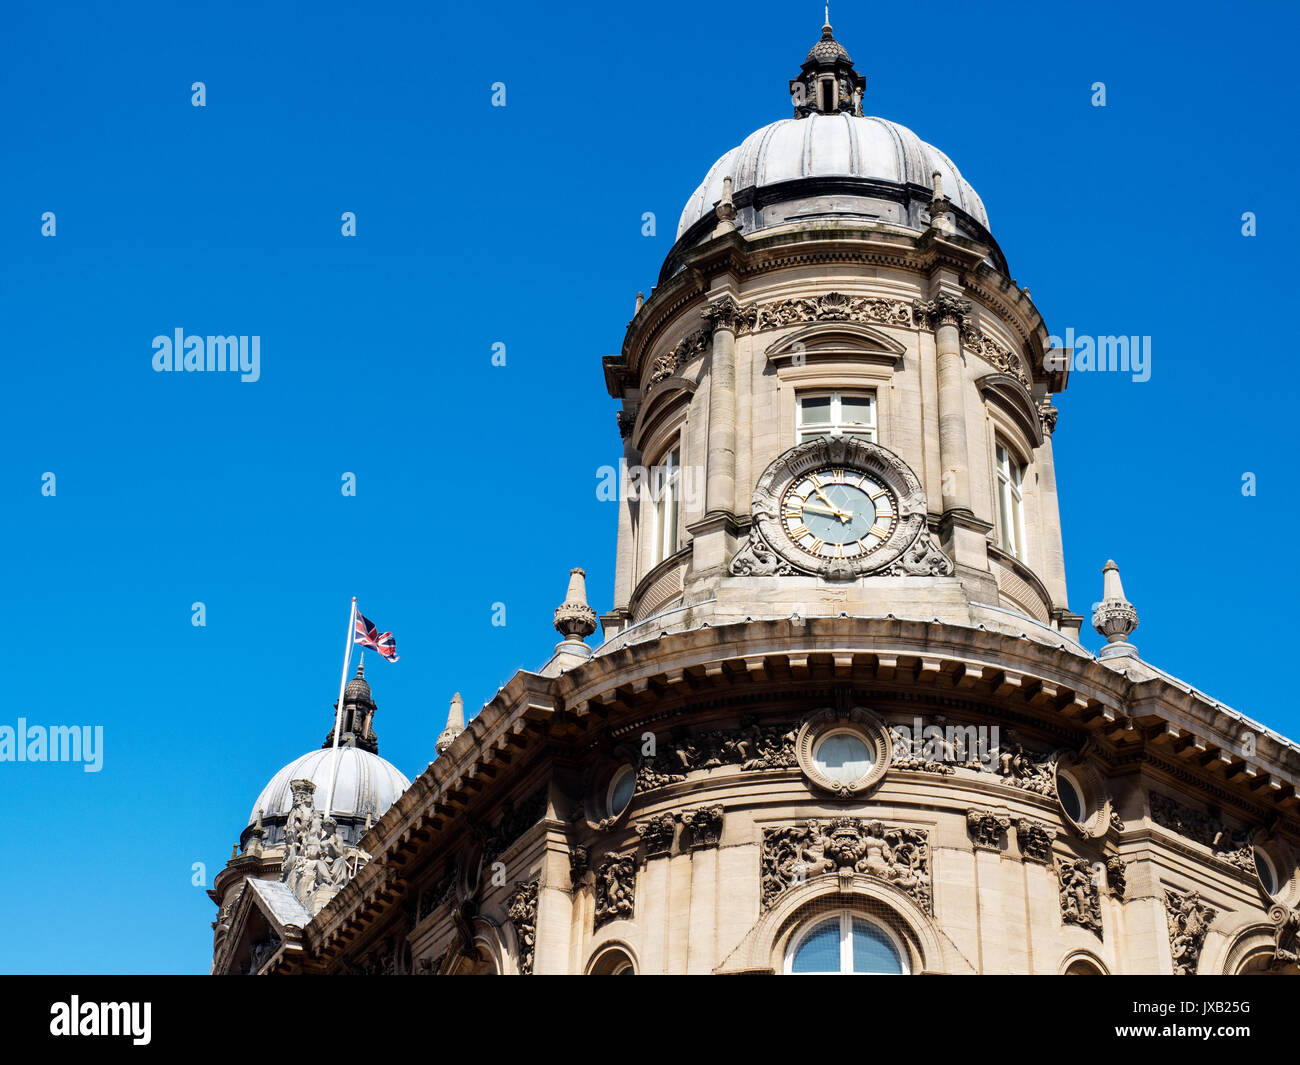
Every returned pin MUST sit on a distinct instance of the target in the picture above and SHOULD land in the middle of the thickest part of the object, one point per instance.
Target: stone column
(945, 313)
(720, 486)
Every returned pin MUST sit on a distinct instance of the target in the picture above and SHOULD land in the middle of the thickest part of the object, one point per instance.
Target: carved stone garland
(1227, 844)
(897, 856)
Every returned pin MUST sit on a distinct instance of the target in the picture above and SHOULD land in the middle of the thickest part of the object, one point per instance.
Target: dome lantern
(827, 83)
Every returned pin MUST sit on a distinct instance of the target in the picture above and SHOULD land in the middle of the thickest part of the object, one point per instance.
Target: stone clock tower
(840, 719)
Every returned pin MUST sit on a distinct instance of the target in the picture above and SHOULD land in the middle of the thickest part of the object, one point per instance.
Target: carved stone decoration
(579, 863)
(988, 828)
(751, 746)
(1035, 839)
(1116, 822)
(657, 834)
(690, 347)
(704, 825)
(615, 888)
(441, 892)
(756, 558)
(942, 310)
(1286, 947)
(1080, 893)
(859, 722)
(998, 356)
(1227, 844)
(521, 907)
(831, 307)
(722, 313)
(317, 862)
(906, 550)
(1189, 920)
(897, 856)
(1117, 875)
(1021, 769)
(514, 822)
(905, 756)
(260, 951)
(1047, 415)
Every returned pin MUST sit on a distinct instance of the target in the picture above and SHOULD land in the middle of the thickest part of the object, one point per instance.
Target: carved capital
(704, 826)
(657, 834)
(942, 310)
(1035, 839)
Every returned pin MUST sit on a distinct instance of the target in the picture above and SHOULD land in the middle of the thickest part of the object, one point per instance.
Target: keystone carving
(897, 856)
(1286, 948)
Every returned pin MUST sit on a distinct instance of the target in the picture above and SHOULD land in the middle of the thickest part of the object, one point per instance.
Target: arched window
(846, 943)
(612, 961)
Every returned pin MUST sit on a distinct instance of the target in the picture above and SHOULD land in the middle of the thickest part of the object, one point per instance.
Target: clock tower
(837, 399)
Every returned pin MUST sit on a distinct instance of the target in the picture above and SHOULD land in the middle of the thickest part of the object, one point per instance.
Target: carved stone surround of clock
(840, 508)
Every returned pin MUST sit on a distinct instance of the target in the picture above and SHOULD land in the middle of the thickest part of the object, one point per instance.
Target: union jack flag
(367, 635)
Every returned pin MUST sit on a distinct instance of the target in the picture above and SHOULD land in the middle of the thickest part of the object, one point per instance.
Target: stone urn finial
(455, 724)
(1114, 617)
(574, 619)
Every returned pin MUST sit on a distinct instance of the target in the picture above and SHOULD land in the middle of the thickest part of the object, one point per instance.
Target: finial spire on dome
(1115, 617)
(455, 724)
(827, 84)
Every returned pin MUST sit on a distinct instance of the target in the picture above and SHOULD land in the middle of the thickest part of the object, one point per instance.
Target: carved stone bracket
(1286, 947)
(795, 854)
(988, 828)
(704, 826)
(615, 887)
(1080, 893)
(1189, 920)
(1117, 876)
(1035, 839)
(657, 834)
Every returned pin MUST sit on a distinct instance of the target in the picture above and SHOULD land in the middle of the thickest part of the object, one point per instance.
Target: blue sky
(522, 225)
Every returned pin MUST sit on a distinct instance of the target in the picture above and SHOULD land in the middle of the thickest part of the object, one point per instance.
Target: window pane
(858, 410)
(820, 952)
(843, 757)
(873, 952)
(815, 410)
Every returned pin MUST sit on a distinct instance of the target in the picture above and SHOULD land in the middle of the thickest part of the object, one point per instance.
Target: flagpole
(338, 710)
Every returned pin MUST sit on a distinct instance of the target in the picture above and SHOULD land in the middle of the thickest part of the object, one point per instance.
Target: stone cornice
(1058, 686)
(829, 245)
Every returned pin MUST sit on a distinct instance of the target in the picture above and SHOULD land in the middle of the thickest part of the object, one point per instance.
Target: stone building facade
(840, 719)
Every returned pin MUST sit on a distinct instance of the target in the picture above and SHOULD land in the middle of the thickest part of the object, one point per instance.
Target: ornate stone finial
(726, 211)
(940, 205)
(455, 724)
(1114, 617)
(256, 834)
(574, 619)
(640, 300)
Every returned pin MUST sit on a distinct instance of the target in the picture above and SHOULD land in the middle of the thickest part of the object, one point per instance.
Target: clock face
(838, 512)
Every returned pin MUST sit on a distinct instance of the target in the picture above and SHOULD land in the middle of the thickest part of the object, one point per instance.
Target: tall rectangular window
(665, 503)
(1011, 511)
(835, 414)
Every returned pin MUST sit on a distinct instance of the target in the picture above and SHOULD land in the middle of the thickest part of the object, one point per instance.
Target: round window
(1266, 870)
(1071, 800)
(843, 756)
(621, 787)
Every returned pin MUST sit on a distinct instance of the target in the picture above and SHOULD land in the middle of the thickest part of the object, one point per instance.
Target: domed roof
(827, 50)
(831, 145)
(366, 784)
(357, 690)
